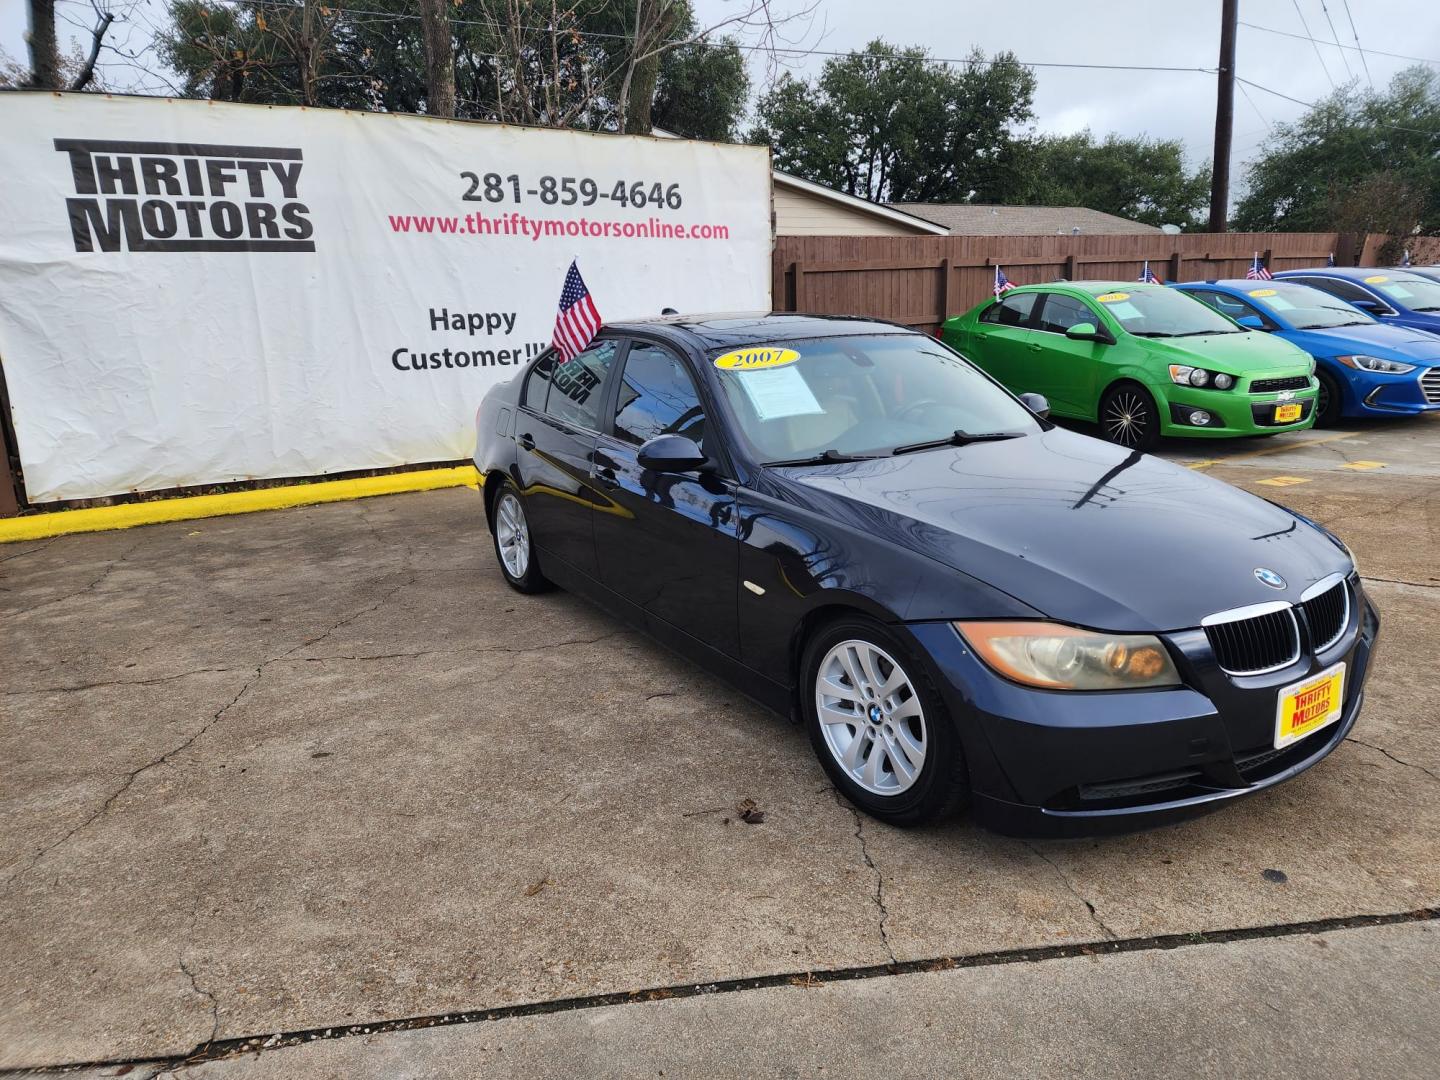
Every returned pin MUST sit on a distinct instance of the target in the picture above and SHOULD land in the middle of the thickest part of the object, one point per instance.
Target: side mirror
(1251, 322)
(1037, 404)
(1085, 332)
(671, 453)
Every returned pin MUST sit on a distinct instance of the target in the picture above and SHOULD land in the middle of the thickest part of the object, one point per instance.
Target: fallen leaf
(534, 890)
(749, 812)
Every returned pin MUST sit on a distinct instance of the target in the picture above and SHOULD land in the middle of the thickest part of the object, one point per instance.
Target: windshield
(1415, 293)
(1306, 308)
(1160, 312)
(863, 395)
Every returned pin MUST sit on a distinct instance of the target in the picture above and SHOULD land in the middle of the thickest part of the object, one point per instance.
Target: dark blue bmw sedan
(962, 603)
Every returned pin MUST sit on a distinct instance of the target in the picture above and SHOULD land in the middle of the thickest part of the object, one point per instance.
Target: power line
(397, 16)
(1314, 43)
(1352, 48)
(1356, 36)
(1343, 58)
(1313, 105)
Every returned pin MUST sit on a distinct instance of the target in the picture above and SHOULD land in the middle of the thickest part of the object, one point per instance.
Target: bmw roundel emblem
(1266, 576)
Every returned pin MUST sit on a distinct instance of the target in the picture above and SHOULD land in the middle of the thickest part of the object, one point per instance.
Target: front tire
(879, 728)
(1129, 418)
(1327, 401)
(514, 546)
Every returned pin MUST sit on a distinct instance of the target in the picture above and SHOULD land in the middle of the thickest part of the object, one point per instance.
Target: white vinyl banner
(194, 292)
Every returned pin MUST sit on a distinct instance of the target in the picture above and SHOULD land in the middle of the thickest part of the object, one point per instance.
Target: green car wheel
(1140, 361)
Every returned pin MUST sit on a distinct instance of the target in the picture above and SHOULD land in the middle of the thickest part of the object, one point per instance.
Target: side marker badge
(756, 589)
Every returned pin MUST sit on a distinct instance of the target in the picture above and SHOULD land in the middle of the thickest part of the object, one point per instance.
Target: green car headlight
(1375, 363)
(1053, 656)
(1184, 375)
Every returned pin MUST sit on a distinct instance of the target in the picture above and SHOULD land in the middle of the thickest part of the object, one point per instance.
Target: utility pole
(1224, 117)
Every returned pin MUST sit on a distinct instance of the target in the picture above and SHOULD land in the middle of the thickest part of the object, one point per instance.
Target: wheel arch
(832, 609)
(493, 481)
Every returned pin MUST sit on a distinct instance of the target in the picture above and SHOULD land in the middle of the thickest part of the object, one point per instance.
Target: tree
(1361, 160)
(1138, 178)
(701, 91)
(891, 125)
(555, 63)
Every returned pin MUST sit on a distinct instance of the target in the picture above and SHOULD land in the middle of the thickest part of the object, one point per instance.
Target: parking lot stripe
(1283, 481)
(1363, 465)
(128, 515)
(1279, 449)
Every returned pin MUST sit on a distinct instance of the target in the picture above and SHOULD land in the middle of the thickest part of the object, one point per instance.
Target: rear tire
(878, 726)
(514, 546)
(1129, 418)
(1328, 400)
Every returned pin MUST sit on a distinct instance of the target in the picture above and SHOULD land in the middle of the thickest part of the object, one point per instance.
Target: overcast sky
(1169, 33)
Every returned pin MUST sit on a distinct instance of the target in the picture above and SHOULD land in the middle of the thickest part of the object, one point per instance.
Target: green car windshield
(1415, 293)
(1305, 308)
(1161, 312)
(860, 396)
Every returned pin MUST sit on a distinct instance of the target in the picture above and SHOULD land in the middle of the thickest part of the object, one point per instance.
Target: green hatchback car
(1142, 361)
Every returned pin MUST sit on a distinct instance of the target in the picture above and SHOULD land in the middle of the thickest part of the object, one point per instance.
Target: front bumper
(1378, 394)
(1232, 412)
(1047, 763)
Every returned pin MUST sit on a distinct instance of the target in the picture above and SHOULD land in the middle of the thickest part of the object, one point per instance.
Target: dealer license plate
(1285, 414)
(1306, 707)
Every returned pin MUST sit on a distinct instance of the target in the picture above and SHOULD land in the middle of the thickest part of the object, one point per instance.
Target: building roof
(980, 219)
(893, 212)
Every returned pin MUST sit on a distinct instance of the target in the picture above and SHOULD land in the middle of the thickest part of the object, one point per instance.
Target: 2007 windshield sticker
(755, 359)
(1112, 297)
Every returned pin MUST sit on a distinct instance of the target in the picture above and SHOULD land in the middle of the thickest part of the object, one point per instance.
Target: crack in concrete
(1396, 581)
(878, 897)
(79, 687)
(214, 1007)
(1392, 757)
(33, 550)
(130, 779)
(109, 569)
(1065, 880)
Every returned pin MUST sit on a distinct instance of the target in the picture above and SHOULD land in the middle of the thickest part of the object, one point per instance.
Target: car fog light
(1199, 418)
(1223, 381)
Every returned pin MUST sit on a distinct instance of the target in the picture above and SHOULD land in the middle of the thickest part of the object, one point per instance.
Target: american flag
(578, 322)
(1330, 261)
(1147, 276)
(1002, 283)
(1257, 272)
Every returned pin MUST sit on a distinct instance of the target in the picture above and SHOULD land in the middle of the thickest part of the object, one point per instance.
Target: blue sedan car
(1398, 297)
(1364, 367)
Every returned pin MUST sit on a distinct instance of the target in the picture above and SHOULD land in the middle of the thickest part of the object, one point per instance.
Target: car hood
(1387, 342)
(1084, 531)
(1236, 354)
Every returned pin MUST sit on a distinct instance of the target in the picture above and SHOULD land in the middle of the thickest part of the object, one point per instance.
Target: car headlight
(1054, 656)
(1374, 363)
(1194, 376)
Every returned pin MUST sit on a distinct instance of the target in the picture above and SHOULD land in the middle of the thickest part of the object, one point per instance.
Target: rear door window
(1011, 310)
(576, 384)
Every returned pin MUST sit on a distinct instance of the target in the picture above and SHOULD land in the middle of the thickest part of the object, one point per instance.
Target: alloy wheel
(1125, 418)
(871, 717)
(512, 534)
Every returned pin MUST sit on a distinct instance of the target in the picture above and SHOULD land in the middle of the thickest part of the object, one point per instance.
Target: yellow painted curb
(128, 515)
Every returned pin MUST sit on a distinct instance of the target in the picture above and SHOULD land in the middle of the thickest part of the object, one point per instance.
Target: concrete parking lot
(312, 793)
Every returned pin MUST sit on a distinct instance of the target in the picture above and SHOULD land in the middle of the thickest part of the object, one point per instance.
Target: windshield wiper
(1198, 333)
(957, 438)
(1151, 333)
(1332, 325)
(1432, 307)
(829, 457)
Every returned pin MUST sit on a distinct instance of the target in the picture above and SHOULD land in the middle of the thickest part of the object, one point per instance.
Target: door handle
(1035, 348)
(526, 442)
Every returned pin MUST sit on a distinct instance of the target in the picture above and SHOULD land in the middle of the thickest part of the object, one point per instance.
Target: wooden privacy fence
(924, 280)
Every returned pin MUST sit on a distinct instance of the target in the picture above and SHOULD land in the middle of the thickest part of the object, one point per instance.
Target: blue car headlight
(1375, 363)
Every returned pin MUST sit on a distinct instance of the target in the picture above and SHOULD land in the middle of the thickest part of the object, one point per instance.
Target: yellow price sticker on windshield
(1262, 292)
(1112, 297)
(1376, 279)
(755, 359)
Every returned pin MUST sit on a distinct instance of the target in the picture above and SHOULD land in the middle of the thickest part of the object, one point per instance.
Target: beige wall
(798, 213)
